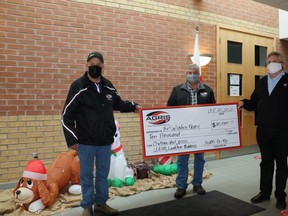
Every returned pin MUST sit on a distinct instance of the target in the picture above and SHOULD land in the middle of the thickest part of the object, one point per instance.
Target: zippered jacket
(180, 95)
(87, 117)
(271, 111)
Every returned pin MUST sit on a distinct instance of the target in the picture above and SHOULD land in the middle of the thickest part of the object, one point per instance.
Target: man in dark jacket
(269, 100)
(89, 127)
(190, 92)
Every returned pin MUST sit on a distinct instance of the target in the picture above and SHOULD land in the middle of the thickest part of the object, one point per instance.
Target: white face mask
(274, 67)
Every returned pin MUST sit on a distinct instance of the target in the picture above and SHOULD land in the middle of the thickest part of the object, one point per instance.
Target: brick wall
(21, 136)
(145, 44)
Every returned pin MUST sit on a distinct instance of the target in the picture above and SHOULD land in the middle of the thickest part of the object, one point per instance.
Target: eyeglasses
(192, 72)
(268, 62)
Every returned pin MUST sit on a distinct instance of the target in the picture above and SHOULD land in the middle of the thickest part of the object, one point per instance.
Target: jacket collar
(186, 86)
(88, 82)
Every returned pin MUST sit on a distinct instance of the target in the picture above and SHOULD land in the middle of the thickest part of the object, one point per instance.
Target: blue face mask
(192, 77)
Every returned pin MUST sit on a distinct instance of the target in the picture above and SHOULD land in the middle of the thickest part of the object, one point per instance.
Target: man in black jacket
(89, 127)
(190, 92)
(269, 100)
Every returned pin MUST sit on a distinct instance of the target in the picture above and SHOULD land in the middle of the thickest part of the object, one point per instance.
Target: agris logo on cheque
(157, 117)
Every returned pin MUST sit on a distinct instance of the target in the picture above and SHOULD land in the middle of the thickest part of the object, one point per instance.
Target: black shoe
(281, 204)
(87, 212)
(199, 190)
(259, 198)
(105, 209)
(180, 192)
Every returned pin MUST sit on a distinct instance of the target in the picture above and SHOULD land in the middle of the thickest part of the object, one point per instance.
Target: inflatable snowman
(119, 173)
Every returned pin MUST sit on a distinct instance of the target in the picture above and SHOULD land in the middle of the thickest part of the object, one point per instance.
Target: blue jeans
(183, 170)
(88, 156)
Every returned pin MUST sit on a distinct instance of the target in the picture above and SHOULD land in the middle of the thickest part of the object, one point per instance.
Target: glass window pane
(234, 52)
(260, 55)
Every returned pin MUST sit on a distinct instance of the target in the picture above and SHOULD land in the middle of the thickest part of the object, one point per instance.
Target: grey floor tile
(236, 176)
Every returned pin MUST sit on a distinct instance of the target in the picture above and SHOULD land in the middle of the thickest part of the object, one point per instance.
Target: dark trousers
(273, 145)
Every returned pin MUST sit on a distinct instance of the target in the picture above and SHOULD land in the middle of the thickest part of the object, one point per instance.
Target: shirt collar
(277, 77)
(199, 86)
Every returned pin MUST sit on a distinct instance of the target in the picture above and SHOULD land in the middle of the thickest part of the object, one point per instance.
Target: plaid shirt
(193, 95)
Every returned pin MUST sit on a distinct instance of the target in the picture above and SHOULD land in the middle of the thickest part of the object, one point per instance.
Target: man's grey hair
(193, 66)
(281, 59)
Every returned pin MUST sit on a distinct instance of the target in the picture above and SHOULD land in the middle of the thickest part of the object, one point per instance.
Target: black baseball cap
(95, 55)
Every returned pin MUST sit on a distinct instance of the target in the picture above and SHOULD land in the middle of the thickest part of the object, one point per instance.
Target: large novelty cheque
(189, 129)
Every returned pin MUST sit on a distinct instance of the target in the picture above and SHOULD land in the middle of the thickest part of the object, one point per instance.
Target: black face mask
(95, 71)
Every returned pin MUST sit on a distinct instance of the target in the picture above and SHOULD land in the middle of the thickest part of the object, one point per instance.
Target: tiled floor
(236, 176)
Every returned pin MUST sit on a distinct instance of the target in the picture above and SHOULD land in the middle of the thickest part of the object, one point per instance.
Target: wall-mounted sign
(189, 129)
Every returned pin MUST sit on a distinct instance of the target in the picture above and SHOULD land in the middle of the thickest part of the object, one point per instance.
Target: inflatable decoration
(38, 188)
(165, 160)
(141, 169)
(120, 173)
(165, 166)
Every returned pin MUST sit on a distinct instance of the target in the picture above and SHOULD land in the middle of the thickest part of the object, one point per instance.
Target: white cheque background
(191, 129)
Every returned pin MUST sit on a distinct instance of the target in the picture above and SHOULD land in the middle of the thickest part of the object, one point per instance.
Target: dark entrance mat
(214, 203)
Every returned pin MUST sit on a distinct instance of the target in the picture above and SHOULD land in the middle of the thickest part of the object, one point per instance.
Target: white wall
(283, 24)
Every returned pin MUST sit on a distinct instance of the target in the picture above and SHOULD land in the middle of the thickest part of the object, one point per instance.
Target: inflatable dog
(38, 188)
(119, 171)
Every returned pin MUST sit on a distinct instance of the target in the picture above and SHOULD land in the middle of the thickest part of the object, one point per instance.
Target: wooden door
(241, 62)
